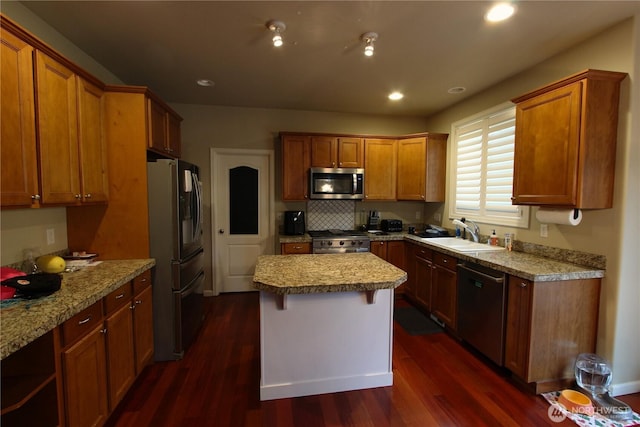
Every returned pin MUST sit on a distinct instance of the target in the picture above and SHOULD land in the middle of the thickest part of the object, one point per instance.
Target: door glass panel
(243, 200)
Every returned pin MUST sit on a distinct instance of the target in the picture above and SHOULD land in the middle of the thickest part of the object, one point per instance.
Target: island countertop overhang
(319, 273)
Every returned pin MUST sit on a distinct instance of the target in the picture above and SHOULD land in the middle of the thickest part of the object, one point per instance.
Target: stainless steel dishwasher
(482, 298)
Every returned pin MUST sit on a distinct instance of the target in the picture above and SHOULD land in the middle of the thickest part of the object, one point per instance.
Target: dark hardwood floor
(437, 382)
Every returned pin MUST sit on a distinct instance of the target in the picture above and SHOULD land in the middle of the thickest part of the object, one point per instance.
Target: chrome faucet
(472, 230)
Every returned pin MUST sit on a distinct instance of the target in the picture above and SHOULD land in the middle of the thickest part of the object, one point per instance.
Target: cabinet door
(143, 328)
(422, 168)
(546, 148)
(156, 126)
(93, 147)
(412, 168)
(56, 98)
(350, 152)
(85, 381)
(518, 322)
(408, 287)
(324, 152)
(379, 249)
(436, 168)
(423, 269)
(444, 295)
(120, 354)
(380, 165)
(19, 169)
(296, 160)
(396, 253)
(174, 139)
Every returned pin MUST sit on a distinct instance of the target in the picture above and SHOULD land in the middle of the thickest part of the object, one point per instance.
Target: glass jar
(593, 373)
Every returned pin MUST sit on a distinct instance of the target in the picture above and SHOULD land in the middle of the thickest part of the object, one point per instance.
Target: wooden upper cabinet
(18, 168)
(422, 168)
(296, 160)
(380, 165)
(164, 130)
(56, 99)
(93, 145)
(565, 143)
(337, 152)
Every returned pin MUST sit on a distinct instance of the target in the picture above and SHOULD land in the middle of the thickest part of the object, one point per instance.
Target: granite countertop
(525, 265)
(304, 274)
(21, 322)
(541, 264)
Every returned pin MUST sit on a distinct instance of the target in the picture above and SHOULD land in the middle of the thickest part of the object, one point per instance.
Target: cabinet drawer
(422, 252)
(445, 261)
(296, 248)
(117, 298)
(141, 282)
(81, 323)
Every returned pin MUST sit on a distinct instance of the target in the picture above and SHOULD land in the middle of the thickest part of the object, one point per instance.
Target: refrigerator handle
(198, 194)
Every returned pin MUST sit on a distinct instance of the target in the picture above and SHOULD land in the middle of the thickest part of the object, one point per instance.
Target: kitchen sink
(461, 245)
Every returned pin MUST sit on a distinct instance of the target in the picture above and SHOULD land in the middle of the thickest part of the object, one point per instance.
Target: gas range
(339, 241)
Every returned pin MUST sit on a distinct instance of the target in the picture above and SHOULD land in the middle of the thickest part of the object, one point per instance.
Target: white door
(243, 221)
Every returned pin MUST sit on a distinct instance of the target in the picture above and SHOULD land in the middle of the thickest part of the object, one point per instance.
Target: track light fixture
(277, 28)
(368, 39)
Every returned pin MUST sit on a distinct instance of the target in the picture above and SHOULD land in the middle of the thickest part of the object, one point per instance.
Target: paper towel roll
(559, 216)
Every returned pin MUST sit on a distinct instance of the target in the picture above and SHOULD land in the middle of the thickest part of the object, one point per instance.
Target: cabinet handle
(119, 296)
(297, 247)
(513, 198)
(523, 285)
(132, 307)
(35, 197)
(82, 322)
(444, 261)
(78, 196)
(87, 196)
(143, 280)
(333, 164)
(138, 302)
(103, 331)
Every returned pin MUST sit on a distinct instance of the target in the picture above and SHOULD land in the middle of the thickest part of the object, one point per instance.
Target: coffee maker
(294, 223)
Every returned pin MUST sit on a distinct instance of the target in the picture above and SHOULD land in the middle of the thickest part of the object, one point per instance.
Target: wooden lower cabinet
(295, 248)
(143, 326)
(423, 273)
(392, 251)
(120, 353)
(548, 325)
(29, 384)
(104, 349)
(85, 380)
(444, 289)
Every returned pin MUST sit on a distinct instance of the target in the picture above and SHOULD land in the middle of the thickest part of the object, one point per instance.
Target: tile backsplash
(330, 214)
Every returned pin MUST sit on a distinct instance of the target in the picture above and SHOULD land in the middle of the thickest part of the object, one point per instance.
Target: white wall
(613, 232)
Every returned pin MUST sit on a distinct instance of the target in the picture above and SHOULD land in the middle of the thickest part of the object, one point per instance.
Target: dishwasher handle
(484, 276)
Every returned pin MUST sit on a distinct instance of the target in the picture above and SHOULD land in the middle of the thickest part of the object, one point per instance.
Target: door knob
(221, 231)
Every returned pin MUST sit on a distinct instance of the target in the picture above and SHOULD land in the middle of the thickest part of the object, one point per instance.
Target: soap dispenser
(493, 239)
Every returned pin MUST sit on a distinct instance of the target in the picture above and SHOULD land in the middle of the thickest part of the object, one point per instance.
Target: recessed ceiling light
(396, 96)
(205, 82)
(499, 12)
(457, 89)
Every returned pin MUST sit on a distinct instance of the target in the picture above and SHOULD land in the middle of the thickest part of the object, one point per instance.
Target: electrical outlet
(544, 230)
(437, 217)
(51, 236)
(418, 214)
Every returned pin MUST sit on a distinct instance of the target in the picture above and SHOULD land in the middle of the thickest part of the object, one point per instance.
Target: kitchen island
(326, 323)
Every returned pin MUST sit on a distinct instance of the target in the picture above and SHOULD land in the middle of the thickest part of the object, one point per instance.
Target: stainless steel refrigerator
(175, 230)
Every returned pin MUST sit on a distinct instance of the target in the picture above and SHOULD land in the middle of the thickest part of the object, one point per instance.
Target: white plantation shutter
(483, 170)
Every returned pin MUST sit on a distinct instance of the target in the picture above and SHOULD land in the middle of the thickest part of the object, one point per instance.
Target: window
(483, 168)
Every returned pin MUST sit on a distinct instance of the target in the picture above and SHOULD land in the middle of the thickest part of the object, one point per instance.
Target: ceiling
(424, 48)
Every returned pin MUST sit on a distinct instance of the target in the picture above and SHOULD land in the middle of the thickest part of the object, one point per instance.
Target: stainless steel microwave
(336, 183)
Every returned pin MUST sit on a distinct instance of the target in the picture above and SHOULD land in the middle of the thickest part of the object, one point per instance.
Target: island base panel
(325, 343)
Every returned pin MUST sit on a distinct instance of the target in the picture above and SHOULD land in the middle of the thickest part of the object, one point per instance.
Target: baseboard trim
(328, 385)
(625, 388)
